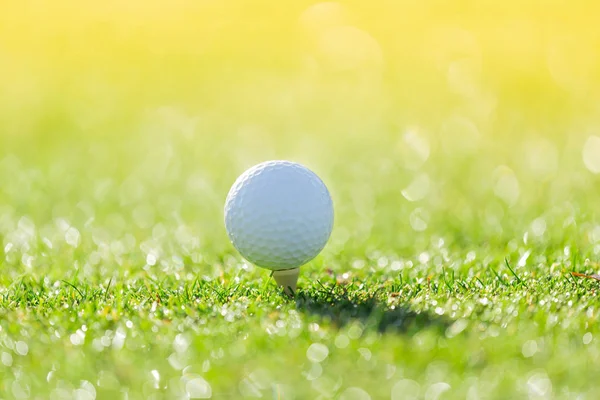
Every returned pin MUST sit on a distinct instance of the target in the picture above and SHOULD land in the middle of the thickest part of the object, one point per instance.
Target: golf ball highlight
(279, 215)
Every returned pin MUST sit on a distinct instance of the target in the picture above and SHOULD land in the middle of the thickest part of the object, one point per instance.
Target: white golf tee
(287, 279)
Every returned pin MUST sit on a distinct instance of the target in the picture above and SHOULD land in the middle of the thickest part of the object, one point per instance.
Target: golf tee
(287, 279)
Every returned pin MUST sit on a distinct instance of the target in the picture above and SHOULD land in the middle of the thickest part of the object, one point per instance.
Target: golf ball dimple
(279, 215)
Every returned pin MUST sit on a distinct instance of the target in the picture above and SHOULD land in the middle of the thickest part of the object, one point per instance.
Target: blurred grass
(452, 135)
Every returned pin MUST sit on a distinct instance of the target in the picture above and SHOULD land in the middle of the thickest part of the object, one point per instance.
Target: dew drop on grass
(471, 256)
(341, 341)
(181, 343)
(77, 338)
(355, 393)
(317, 352)
(72, 237)
(315, 372)
(418, 220)
(156, 377)
(396, 265)
(6, 359)
(405, 389)
(87, 391)
(456, 328)
(418, 147)
(418, 188)
(523, 260)
(435, 391)
(119, 339)
(539, 385)
(355, 331)
(81, 394)
(365, 353)
(21, 348)
(175, 361)
(198, 388)
(529, 348)
(47, 242)
(538, 226)
(506, 185)
(591, 154)
(382, 262)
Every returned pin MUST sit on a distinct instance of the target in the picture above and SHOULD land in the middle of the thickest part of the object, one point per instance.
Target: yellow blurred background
(87, 62)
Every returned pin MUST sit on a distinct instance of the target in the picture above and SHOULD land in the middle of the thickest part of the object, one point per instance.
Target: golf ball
(279, 215)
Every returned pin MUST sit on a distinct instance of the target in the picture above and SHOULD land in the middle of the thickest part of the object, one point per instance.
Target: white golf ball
(279, 215)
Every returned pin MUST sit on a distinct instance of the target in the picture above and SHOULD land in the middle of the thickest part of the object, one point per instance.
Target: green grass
(117, 277)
